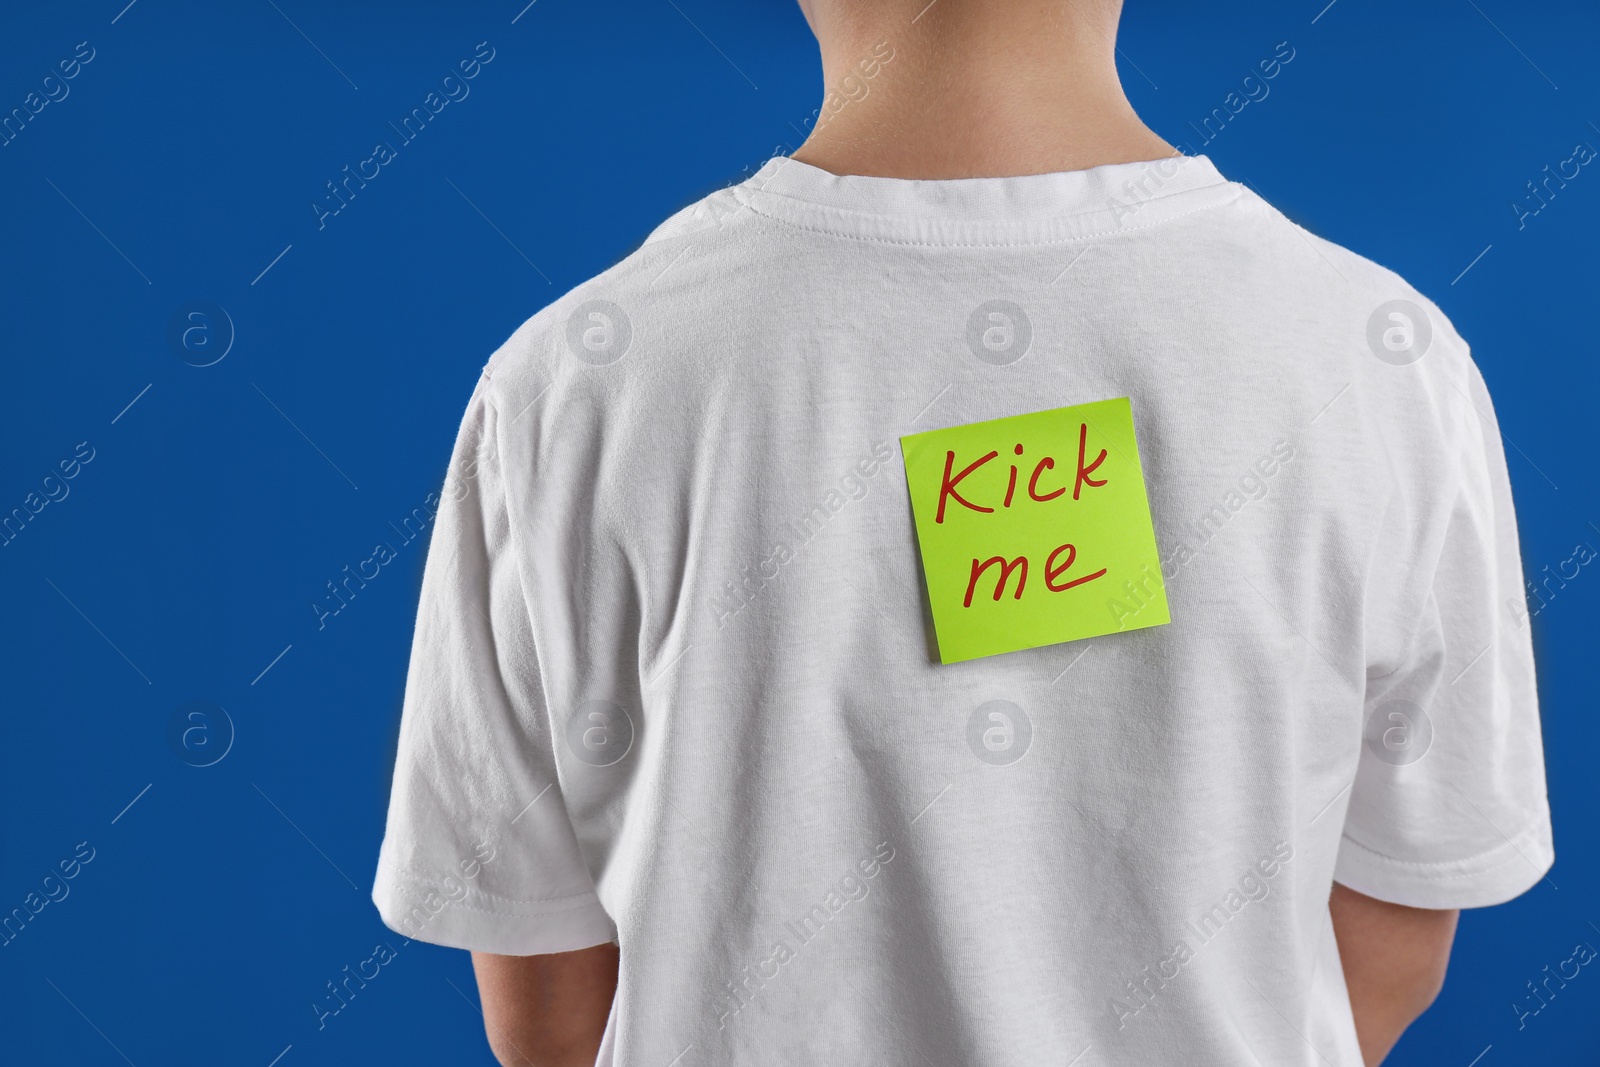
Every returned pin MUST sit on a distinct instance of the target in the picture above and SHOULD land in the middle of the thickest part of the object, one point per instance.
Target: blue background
(181, 567)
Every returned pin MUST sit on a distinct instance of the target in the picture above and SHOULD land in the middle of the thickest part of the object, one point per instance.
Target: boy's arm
(549, 1010)
(1394, 963)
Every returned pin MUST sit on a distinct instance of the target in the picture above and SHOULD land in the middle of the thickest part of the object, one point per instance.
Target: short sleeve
(1448, 808)
(479, 852)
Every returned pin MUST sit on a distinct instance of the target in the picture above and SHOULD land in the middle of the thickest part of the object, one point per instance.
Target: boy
(692, 675)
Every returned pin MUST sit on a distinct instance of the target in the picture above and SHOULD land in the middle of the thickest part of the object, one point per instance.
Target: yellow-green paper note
(1034, 529)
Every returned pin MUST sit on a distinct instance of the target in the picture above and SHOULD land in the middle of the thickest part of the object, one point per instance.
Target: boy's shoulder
(707, 261)
(593, 322)
(1345, 276)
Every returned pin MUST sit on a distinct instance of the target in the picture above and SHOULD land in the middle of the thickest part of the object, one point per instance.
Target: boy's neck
(973, 88)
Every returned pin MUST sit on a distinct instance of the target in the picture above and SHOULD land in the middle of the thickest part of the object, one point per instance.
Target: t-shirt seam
(1456, 483)
(696, 226)
(546, 708)
(513, 535)
(1237, 191)
(430, 883)
(512, 914)
(1372, 556)
(1457, 489)
(1421, 865)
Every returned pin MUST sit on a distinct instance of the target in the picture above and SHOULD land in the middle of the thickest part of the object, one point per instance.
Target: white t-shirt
(674, 680)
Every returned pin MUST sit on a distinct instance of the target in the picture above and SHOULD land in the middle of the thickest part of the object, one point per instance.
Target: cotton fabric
(673, 681)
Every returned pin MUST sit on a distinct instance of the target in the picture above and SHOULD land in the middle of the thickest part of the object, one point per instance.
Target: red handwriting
(1084, 475)
(1052, 572)
(1084, 472)
(1062, 558)
(947, 487)
(1019, 566)
(1006, 567)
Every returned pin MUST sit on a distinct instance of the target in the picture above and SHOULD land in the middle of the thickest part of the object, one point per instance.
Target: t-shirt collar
(1023, 209)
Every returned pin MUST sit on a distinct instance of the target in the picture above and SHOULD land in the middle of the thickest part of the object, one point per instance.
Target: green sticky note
(1034, 529)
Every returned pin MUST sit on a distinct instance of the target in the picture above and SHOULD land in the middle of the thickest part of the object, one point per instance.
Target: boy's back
(675, 680)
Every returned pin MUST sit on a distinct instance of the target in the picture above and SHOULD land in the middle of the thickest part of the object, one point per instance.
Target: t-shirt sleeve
(1448, 808)
(479, 852)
